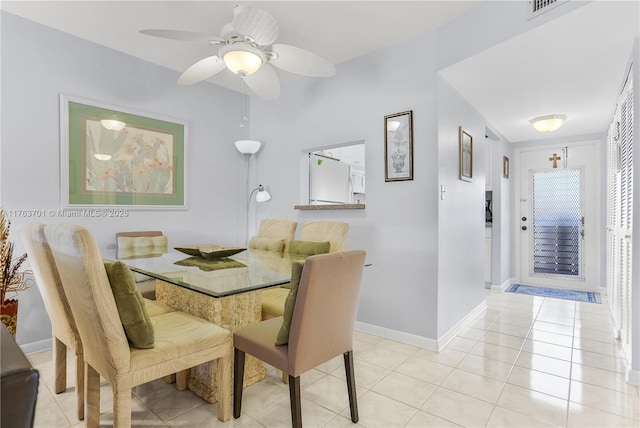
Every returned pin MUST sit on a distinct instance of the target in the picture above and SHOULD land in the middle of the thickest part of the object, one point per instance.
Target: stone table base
(232, 313)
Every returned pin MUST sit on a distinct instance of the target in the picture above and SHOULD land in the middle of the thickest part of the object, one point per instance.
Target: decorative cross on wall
(555, 158)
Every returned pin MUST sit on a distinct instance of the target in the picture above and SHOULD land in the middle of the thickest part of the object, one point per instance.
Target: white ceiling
(573, 65)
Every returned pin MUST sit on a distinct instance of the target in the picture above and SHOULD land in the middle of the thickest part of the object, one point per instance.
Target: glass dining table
(225, 291)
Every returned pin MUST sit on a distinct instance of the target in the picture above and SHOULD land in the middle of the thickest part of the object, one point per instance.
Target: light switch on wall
(443, 190)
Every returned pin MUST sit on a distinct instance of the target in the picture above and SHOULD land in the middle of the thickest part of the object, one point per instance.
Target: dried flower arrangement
(12, 279)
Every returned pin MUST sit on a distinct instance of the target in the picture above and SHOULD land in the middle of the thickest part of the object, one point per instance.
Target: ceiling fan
(247, 48)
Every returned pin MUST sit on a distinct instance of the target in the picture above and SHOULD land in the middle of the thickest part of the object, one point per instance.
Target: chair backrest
(140, 243)
(278, 229)
(325, 311)
(49, 284)
(87, 288)
(137, 234)
(333, 231)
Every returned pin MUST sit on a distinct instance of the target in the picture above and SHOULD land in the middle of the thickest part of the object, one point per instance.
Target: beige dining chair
(322, 322)
(275, 229)
(335, 232)
(64, 332)
(182, 341)
(137, 244)
(324, 230)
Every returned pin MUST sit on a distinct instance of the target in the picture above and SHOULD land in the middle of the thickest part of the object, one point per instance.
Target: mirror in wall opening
(336, 175)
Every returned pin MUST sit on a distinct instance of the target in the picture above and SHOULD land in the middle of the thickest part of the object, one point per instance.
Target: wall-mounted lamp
(548, 123)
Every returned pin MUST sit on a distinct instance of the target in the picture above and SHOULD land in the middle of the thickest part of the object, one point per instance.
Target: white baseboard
(398, 336)
(421, 341)
(502, 287)
(453, 331)
(35, 347)
(633, 377)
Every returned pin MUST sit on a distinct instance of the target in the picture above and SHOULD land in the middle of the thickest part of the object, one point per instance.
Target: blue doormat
(580, 296)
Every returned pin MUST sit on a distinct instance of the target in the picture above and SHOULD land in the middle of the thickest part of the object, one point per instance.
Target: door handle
(524, 228)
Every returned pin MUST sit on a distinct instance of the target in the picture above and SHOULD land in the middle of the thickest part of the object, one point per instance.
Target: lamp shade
(248, 147)
(242, 59)
(548, 123)
(262, 195)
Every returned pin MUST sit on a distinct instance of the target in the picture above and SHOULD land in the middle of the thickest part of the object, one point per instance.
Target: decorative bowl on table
(210, 251)
(217, 252)
(192, 251)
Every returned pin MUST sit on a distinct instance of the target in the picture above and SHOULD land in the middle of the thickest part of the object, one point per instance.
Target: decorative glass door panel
(557, 222)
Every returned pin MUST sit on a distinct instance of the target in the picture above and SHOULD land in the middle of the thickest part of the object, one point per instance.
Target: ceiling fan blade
(300, 61)
(185, 36)
(264, 83)
(257, 24)
(202, 70)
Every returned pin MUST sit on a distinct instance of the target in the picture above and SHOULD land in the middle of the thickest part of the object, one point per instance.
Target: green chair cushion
(300, 250)
(133, 313)
(268, 244)
(283, 334)
(308, 248)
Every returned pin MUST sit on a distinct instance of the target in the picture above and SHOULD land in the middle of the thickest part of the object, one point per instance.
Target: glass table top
(245, 271)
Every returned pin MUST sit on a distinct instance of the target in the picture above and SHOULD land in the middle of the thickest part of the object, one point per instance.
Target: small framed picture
(398, 146)
(505, 167)
(466, 155)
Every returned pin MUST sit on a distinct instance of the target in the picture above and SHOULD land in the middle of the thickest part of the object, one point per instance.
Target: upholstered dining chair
(324, 230)
(181, 341)
(64, 332)
(334, 232)
(271, 231)
(142, 243)
(321, 309)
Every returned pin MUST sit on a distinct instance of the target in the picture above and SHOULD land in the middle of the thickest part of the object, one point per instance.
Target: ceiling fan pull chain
(244, 110)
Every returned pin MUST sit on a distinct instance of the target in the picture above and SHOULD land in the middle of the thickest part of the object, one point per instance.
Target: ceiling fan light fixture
(548, 123)
(242, 59)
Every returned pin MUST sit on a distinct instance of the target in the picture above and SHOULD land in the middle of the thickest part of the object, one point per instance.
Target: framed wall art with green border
(114, 157)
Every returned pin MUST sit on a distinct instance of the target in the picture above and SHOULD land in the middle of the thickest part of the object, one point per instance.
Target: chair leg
(80, 384)
(238, 378)
(182, 378)
(351, 386)
(296, 405)
(121, 407)
(60, 365)
(92, 388)
(224, 387)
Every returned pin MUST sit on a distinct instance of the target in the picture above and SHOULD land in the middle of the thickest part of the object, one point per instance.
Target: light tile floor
(525, 362)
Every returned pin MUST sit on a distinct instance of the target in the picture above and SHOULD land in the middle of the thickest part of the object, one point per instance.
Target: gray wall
(461, 215)
(38, 64)
(399, 226)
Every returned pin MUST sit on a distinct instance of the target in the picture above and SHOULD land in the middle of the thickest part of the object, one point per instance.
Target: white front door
(559, 196)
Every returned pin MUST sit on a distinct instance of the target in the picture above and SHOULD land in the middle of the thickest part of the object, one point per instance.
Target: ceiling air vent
(537, 7)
